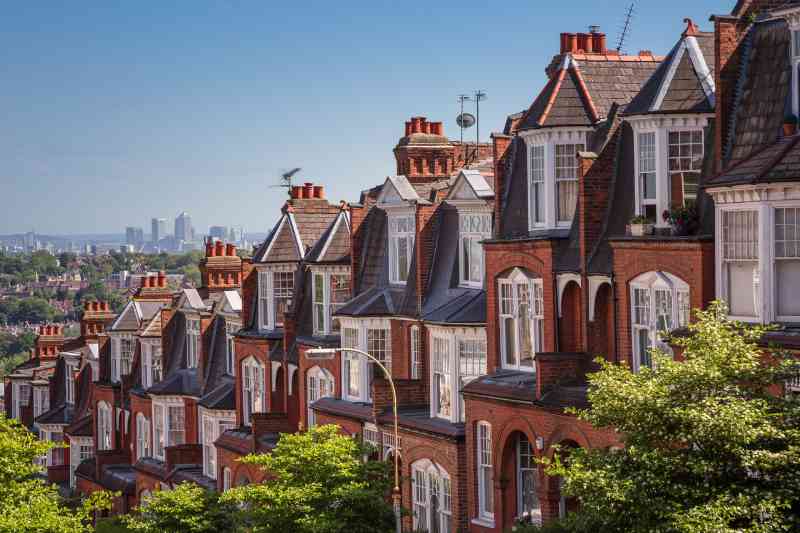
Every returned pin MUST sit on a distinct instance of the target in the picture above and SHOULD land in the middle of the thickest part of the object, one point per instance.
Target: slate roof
(135, 313)
(680, 78)
(335, 406)
(582, 88)
(419, 419)
(334, 244)
(773, 163)
(302, 224)
(507, 384)
(761, 98)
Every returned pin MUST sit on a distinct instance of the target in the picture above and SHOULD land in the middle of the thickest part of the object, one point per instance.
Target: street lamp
(322, 354)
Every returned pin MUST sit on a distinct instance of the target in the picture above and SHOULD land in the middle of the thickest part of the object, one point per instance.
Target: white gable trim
(563, 280)
(689, 44)
(595, 282)
(332, 233)
(300, 249)
(389, 195)
(666, 81)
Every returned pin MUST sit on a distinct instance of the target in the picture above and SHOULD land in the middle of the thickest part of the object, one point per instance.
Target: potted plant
(640, 226)
(683, 219)
(789, 125)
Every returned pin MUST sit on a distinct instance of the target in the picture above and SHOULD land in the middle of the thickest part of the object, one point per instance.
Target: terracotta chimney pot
(230, 249)
(319, 192)
(220, 248)
(308, 190)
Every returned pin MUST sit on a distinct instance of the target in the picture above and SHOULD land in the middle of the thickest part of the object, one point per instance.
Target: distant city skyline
(114, 114)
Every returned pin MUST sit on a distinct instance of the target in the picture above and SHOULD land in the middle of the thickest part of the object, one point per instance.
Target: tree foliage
(708, 447)
(188, 508)
(27, 503)
(318, 483)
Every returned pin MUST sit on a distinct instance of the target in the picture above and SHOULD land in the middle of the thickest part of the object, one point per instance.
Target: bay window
(566, 174)
(121, 356)
(485, 471)
(275, 291)
(213, 425)
(431, 495)
(151, 363)
(158, 431)
(521, 320)
(685, 161)
(192, 342)
(142, 436)
(253, 391)
(21, 395)
(659, 303)
(169, 425)
(740, 269)
(41, 400)
(55, 456)
(320, 385)
(230, 355)
(368, 335)
(474, 227)
(104, 426)
(536, 188)
(458, 356)
(331, 289)
(176, 425)
(401, 246)
(647, 175)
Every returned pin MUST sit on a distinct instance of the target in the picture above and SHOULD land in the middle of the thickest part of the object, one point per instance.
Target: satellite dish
(466, 120)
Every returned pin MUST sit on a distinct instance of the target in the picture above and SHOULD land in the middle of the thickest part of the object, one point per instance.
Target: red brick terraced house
(277, 300)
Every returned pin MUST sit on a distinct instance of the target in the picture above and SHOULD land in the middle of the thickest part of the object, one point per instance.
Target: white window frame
(323, 306)
(698, 172)
(104, 426)
(645, 318)
(152, 362)
(485, 471)
(193, 328)
(361, 366)
(41, 400)
(537, 198)
(474, 227)
(267, 297)
(427, 476)
(533, 516)
(254, 397)
(80, 449)
(143, 437)
(396, 235)
(641, 202)
(212, 425)
(509, 308)
(320, 383)
(785, 257)
(20, 392)
(117, 359)
(69, 370)
(416, 354)
(226, 478)
(162, 409)
(762, 220)
(451, 370)
(574, 165)
(231, 328)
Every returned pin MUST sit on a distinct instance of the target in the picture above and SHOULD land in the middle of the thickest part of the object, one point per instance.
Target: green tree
(188, 508)
(318, 483)
(708, 447)
(27, 503)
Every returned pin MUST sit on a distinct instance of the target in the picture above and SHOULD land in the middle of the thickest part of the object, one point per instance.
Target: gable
(283, 245)
(337, 243)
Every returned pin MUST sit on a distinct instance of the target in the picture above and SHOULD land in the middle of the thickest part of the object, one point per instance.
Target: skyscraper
(183, 227)
(218, 232)
(134, 236)
(158, 229)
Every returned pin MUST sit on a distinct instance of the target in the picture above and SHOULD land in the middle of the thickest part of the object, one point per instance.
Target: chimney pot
(589, 43)
(220, 250)
(408, 128)
(564, 42)
(297, 192)
(582, 39)
(104, 306)
(95, 306)
(572, 43)
(599, 42)
(308, 190)
(436, 128)
(162, 280)
(209, 248)
(416, 124)
(426, 126)
(230, 249)
(319, 192)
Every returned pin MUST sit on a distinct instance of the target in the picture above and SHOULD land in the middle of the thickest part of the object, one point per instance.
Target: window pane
(566, 175)
(510, 341)
(537, 184)
(643, 347)
(787, 286)
(647, 164)
(741, 277)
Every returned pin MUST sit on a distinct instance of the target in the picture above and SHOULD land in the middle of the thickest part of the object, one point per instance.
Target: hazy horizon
(115, 114)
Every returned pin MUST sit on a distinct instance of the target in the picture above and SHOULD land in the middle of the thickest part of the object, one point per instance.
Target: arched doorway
(278, 388)
(570, 326)
(602, 327)
(520, 480)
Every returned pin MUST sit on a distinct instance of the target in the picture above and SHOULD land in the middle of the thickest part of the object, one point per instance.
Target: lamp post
(318, 354)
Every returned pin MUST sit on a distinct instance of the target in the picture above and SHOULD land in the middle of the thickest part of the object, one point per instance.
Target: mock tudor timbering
(486, 279)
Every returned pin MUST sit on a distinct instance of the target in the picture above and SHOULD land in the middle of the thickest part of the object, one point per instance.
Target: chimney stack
(230, 249)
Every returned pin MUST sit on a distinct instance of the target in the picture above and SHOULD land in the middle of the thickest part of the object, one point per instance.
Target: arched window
(103, 426)
(485, 471)
(142, 436)
(430, 489)
(253, 396)
(659, 302)
(521, 319)
(226, 478)
(320, 385)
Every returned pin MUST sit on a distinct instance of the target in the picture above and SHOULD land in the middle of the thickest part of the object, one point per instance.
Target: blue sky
(115, 112)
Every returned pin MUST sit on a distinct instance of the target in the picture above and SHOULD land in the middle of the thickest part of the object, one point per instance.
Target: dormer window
(192, 342)
(669, 161)
(458, 357)
(230, 357)
(475, 227)
(70, 382)
(553, 177)
(275, 291)
(121, 356)
(253, 392)
(401, 246)
(331, 289)
(151, 363)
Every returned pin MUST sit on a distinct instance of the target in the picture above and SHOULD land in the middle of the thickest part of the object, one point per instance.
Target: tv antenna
(479, 97)
(465, 121)
(626, 28)
(285, 179)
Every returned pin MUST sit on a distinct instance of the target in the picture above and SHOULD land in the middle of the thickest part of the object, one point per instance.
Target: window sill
(483, 522)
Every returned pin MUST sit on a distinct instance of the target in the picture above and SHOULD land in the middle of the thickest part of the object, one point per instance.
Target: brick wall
(410, 393)
(424, 248)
